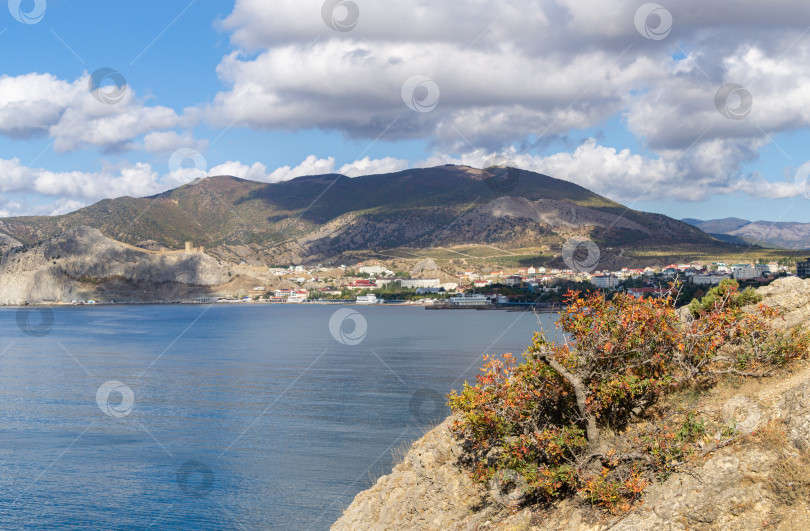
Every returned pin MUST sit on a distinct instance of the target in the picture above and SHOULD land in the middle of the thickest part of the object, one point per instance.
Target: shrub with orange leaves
(546, 418)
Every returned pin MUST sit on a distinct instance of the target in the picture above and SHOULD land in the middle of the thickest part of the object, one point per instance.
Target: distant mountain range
(320, 218)
(777, 235)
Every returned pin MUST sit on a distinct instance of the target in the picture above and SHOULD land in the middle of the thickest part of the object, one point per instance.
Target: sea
(244, 416)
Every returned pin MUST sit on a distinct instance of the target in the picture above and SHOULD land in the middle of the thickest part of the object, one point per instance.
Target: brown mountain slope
(321, 217)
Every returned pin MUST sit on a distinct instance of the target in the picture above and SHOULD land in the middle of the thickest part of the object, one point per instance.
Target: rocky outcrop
(428, 265)
(550, 213)
(8, 242)
(763, 481)
(791, 296)
(80, 260)
(425, 491)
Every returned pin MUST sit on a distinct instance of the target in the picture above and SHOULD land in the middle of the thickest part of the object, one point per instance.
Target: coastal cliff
(760, 480)
(82, 263)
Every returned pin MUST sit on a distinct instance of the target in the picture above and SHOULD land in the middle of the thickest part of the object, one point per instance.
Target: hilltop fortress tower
(191, 249)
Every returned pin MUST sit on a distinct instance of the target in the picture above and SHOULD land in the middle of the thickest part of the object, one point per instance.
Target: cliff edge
(759, 481)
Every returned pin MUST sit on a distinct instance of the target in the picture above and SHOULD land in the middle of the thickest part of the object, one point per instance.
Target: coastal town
(375, 283)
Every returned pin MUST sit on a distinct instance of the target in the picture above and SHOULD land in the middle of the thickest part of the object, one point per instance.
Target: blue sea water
(222, 417)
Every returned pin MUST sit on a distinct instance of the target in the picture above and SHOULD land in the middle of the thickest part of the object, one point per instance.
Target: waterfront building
(470, 300)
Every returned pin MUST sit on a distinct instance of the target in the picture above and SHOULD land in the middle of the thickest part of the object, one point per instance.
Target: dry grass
(790, 479)
(398, 454)
(772, 436)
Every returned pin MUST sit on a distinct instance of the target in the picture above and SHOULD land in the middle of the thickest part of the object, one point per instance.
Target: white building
(469, 299)
(513, 280)
(762, 270)
(422, 291)
(420, 283)
(709, 280)
(605, 281)
(744, 271)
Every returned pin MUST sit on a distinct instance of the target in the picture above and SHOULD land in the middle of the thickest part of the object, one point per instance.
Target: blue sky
(621, 99)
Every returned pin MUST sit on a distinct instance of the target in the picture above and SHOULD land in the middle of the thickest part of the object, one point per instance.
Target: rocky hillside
(778, 235)
(84, 264)
(318, 218)
(760, 481)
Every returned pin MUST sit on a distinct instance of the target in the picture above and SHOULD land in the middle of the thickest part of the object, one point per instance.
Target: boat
(368, 299)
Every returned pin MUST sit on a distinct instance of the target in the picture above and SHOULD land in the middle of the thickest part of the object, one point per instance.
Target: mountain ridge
(322, 217)
(773, 234)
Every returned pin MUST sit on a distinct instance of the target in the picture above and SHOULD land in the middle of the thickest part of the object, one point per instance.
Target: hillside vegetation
(312, 219)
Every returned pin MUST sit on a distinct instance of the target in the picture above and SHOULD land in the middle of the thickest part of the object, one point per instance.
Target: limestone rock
(426, 490)
(791, 295)
(424, 266)
(62, 268)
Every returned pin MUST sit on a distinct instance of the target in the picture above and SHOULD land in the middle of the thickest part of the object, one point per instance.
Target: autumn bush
(565, 418)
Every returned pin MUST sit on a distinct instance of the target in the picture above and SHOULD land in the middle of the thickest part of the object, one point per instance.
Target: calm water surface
(222, 417)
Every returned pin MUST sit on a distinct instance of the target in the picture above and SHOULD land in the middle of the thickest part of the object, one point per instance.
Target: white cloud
(627, 177)
(256, 172)
(132, 180)
(30, 104)
(24, 207)
(311, 165)
(512, 71)
(170, 141)
(369, 166)
(260, 24)
(509, 71)
(356, 88)
(41, 104)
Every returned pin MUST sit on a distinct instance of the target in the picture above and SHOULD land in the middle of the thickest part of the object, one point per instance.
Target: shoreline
(436, 307)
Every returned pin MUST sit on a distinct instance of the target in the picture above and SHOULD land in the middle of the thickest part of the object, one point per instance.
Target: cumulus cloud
(507, 69)
(171, 141)
(509, 73)
(311, 165)
(518, 72)
(41, 104)
(358, 89)
(133, 180)
(369, 166)
(627, 177)
(24, 207)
